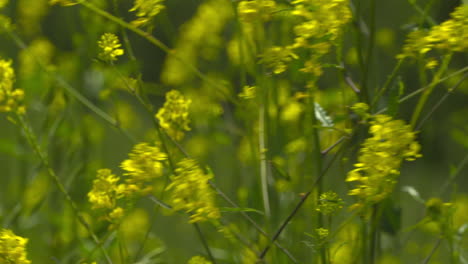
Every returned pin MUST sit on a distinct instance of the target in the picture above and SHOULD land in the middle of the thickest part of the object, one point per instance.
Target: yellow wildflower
(198, 260)
(329, 203)
(10, 99)
(146, 10)
(380, 158)
(277, 58)
(145, 163)
(192, 193)
(110, 47)
(63, 2)
(248, 92)
(12, 248)
(252, 10)
(105, 190)
(322, 233)
(451, 35)
(173, 116)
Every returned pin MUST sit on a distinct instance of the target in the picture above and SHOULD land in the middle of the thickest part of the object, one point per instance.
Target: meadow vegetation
(233, 131)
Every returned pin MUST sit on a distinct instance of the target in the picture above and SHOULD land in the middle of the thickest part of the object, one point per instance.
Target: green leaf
(235, 210)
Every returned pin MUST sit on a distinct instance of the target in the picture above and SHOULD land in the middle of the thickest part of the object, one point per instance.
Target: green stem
(364, 242)
(205, 244)
(369, 52)
(373, 234)
(156, 42)
(30, 136)
(420, 90)
(263, 160)
(387, 83)
(317, 163)
(425, 96)
(433, 250)
(69, 89)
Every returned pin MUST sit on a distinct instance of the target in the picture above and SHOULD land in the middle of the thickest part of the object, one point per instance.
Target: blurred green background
(78, 142)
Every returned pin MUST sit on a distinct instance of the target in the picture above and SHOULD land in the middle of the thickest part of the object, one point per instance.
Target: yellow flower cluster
(277, 58)
(191, 192)
(62, 2)
(198, 260)
(12, 248)
(380, 158)
(321, 23)
(10, 98)
(110, 47)
(144, 165)
(451, 35)
(105, 193)
(105, 190)
(146, 10)
(323, 19)
(248, 92)
(173, 116)
(329, 203)
(253, 10)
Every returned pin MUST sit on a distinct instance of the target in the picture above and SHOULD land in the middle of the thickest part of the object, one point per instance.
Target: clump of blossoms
(380, 157)
(320, 25)
(198, 260)
(329, 203)
(191, 192)
(252, 10)
(449, 36)
(62, 2)
(248, 92)
(173, 116)
(10, 98)
(105, 193)
(145, 164)
(12, 248)
(277, 58)
(110, 47)
(146, 10)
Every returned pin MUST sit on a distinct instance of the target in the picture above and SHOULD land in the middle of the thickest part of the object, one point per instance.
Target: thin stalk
(389, 80)
(364, 242)
(212, 184)
(420, 90)
(69, 89)
(454, 175)
(363, 92)
(299, 205)
(423, 13)
(425, 96)
(205, 244)
(263, 161)
(285, 223)
(30, 136)
(370, 50)
(317, 163)
(156, 42)
(374, 234)
(433, 251)
(254, 224)
(442, 99)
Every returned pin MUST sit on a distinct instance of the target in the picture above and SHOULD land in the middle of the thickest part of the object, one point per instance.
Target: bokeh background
(64, 40)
